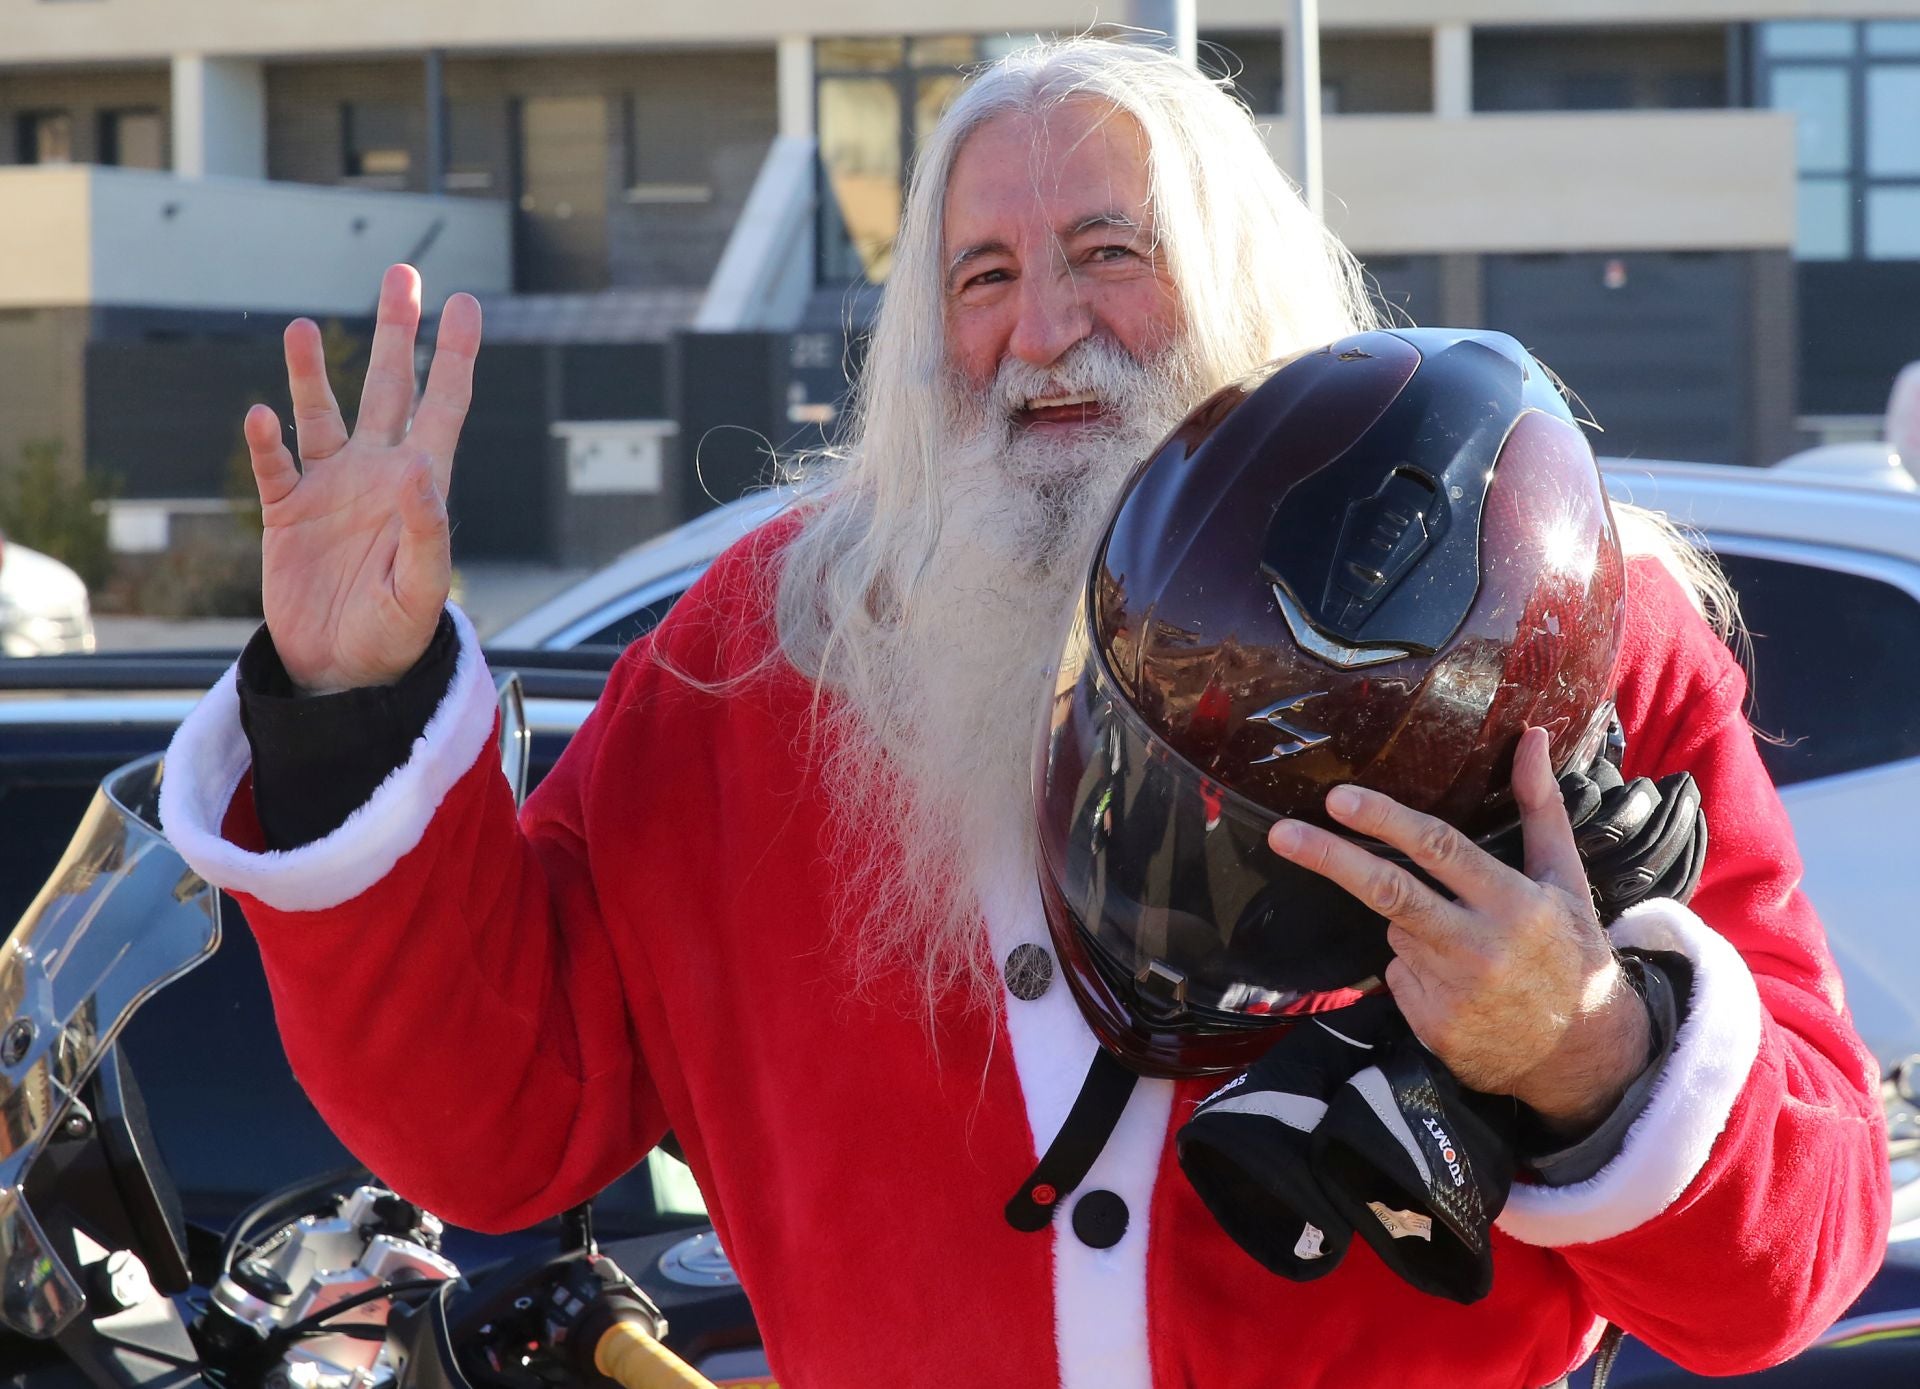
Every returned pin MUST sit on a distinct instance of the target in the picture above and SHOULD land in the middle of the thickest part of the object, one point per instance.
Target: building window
(133, 139)
(43, 137)
(669, 155)
(1618, 68)
(476, 143)
(374, 145)
(1360, 74)
(1855, 89)
(874, 100)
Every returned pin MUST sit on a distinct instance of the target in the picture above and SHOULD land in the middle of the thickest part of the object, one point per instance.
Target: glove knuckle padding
(1648, 840)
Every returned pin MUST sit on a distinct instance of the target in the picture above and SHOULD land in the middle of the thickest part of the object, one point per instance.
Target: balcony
(78, 235)
(1587, 181)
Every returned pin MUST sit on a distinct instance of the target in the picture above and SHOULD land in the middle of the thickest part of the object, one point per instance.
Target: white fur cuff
(1692, 1097)
(209, 755)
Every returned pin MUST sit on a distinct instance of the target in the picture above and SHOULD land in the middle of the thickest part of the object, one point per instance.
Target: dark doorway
(560, 240)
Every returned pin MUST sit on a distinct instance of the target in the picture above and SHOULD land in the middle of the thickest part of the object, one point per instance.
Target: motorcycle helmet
(1379, 565)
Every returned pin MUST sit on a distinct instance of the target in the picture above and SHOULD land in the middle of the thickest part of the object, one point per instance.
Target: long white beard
(932, 749)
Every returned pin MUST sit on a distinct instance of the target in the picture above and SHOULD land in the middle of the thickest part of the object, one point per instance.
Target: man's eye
(985, 277)
(1113, 252)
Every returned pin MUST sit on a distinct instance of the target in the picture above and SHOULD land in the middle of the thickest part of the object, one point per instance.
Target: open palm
(355, 561)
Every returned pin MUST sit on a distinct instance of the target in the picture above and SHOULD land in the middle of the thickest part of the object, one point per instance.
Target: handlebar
(626, 1354)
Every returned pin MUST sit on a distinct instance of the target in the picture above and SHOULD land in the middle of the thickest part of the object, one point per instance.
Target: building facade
(1704, 214)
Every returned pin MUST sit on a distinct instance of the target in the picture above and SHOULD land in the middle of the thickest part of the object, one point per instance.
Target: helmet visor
(1166, 874)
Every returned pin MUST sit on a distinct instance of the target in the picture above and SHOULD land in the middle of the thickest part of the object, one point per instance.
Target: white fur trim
(1100, 1295)
(209, 755)
(1692, 1098)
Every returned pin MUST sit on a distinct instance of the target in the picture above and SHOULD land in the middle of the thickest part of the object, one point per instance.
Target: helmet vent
(1383, 537)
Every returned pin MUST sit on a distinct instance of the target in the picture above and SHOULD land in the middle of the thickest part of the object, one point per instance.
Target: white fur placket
(1100, 1295)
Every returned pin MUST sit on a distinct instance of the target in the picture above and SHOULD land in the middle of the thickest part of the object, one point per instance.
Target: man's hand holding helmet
(1510, 981)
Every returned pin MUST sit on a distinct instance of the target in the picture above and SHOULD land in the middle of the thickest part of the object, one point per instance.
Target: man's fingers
(1551, 856)
(422, 566)
(317, 426)
(387, 398)
(274, 472)
(1387, 888)
(443, 407)
(1456, 862)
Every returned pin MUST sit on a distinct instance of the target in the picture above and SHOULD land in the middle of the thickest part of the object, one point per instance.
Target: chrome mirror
(516, 737)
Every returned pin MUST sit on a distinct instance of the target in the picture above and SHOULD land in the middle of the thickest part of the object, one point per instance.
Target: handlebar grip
(627, 1355)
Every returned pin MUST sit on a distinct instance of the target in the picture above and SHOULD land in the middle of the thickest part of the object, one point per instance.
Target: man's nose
(1053, 317)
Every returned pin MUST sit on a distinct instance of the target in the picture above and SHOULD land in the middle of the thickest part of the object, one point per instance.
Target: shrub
(64, 514)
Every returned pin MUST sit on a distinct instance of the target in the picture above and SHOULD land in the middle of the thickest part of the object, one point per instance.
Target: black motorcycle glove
(1638, 839)
(1419, 1167)
(1247, 1147)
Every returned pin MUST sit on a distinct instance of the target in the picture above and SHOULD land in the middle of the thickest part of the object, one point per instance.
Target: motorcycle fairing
(120, 917)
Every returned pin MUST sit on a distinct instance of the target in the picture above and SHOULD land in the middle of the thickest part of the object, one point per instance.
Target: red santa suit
(502, 1017)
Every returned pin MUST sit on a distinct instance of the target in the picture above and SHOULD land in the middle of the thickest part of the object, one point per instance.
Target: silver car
(43, 605)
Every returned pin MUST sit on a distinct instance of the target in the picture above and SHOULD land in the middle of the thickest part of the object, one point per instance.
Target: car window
(630, 627)
(1836, 662)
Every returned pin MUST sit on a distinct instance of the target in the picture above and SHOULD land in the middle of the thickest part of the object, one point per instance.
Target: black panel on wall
(727, 392)
(502, 503)
(1406, 287)
(614, 381)
(1859, 324)
(1653, 343)
(164, 417)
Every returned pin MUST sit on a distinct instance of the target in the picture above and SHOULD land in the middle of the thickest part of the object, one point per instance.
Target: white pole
(1303, 100)
(1174, 18)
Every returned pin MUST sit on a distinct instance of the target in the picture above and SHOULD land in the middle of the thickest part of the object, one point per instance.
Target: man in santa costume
(780, 895)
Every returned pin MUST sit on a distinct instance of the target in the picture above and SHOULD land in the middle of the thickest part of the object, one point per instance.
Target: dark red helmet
(1380, 565)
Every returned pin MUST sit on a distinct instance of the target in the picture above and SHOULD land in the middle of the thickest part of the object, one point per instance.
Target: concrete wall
(1400, 14)
(42, 382)
(149, 29)
(85, 93)
(685, 135)
(1611, 181)
(78, 236)
(46, 240)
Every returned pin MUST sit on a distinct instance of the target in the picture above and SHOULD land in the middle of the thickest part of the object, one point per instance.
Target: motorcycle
(335, 1283)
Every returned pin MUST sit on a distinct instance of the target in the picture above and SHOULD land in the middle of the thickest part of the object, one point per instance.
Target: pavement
(492, 594)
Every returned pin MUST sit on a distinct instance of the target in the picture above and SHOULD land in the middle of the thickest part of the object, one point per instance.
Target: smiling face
(1051, 260)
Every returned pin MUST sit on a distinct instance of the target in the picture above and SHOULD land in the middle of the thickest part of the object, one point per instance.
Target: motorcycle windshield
(120, 917)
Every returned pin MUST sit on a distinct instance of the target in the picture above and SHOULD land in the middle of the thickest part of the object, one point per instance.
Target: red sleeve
(1744, 1215)
(448, 987)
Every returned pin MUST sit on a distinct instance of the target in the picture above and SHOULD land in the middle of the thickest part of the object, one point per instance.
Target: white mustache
(1094, 367)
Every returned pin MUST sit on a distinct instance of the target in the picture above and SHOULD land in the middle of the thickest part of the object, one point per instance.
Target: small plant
(58, 511)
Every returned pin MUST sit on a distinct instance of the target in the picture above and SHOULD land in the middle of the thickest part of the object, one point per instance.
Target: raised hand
(1511, 982)
(355, 560)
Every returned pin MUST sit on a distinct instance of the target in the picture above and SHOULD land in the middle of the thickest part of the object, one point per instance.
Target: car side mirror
(516, 737)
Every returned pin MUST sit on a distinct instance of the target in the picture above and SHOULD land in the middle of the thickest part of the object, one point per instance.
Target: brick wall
(42, 382)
